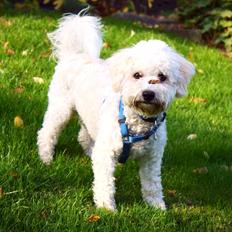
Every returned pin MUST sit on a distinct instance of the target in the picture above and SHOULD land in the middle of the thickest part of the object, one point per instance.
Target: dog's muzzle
(147, 103)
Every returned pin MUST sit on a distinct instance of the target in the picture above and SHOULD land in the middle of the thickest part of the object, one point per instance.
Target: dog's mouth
(149, 108)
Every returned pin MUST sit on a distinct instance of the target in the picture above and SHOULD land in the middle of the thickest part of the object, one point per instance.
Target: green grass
(59, 197)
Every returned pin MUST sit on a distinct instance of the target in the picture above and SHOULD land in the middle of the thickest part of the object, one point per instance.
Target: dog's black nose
(148, 95)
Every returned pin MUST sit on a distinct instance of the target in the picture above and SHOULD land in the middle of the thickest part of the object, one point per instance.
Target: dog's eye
(138, 75)
(162, 77)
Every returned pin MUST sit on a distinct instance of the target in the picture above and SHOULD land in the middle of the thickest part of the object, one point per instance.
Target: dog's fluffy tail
(77, 34)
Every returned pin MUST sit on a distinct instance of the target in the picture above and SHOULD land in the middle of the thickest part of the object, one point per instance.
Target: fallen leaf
(45, 54)
(190, 56)
(5, 22)
(171, 193)
(200, 71)
(228, 54)
(9, 51)
(189, 202)
(201, 170)
(14, 174)
(93, 218)
(18, 122)
(24, 53)
(44, 214)
(192, 136)
(5, 45)
(19, 90)
(1, 192)
(132, 33)
(38, 80)
(198, 100)
(106, 45)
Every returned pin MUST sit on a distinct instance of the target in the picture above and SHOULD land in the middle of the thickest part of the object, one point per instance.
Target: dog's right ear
(119, 67)
(186, 71)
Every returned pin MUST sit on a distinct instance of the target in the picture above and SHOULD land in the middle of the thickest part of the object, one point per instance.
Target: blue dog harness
(127, 138)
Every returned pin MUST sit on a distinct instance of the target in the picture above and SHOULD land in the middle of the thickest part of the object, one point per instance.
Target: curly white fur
(91, 86)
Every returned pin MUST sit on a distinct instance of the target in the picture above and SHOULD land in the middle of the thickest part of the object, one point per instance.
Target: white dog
(121, 103)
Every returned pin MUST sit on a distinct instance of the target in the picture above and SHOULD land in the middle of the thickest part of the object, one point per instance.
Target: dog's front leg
(103, 167)
(150, 175)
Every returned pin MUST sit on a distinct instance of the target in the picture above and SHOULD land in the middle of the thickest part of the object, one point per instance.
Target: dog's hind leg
(85, 140)
(56, 117)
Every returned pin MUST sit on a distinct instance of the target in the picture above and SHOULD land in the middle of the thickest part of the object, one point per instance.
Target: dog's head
(149, 75)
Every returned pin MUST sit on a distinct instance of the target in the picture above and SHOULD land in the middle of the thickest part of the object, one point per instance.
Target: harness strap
(129, 139)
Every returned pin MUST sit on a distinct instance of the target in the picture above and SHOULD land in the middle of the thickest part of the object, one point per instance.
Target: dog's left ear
(186, 71)
(119, 66)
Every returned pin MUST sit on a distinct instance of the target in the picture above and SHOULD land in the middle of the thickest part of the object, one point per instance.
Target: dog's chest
(145, 147)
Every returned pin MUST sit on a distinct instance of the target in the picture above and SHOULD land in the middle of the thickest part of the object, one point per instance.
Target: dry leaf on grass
(14, 174)
(9, 51)
(106, 45)
(38, 80)
(5, 45)
(171, 193)
(19, 90)
(18, 122)
(132, 33)
(24, 53)
(189, 202)
(93, 218)
(44, 214)
(46, 54)
(5, 22)
(192, 136)
(190, 54)
(201, 170)
(198, 100)
(1, 192)
(200, 71)
(228, 54)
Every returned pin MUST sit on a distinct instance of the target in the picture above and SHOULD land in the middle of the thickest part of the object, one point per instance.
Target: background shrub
(213, 17)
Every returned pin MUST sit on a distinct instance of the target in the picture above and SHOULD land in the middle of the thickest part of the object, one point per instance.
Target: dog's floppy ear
(119, 67)
(186, 71)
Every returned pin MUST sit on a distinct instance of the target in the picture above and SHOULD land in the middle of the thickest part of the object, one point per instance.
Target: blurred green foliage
(213, 17)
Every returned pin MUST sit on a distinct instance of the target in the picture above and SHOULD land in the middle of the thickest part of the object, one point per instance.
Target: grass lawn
(197, 173)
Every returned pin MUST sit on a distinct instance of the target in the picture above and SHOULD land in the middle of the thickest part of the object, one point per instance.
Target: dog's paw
(160, 205)
(46, 159)
(157, 203)
(107, 206)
